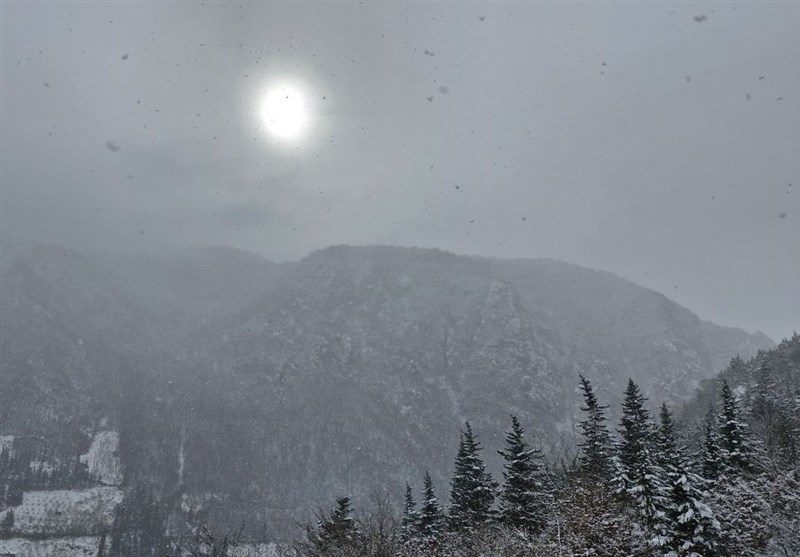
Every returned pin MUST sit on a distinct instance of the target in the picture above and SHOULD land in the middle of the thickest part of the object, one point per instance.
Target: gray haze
(643, 139)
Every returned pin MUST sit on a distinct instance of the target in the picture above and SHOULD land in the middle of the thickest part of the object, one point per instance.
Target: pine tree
(689, 527)
(737, 367)
(712, 458)
(595, 458)
(431, 518)
(409, 526)
(335, 534)
(341, 527)
(472, 489)
(735, 450)
(638, 478)
(667, 441)
(525, 490)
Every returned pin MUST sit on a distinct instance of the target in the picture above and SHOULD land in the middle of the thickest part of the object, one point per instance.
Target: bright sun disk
(284, 111)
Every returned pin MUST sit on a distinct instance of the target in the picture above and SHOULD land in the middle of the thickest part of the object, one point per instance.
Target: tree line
(653, 487)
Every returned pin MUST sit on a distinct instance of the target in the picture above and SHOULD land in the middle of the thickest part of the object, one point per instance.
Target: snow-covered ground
(87, 546)
(256, 550)
(64, 512)
(84, 546)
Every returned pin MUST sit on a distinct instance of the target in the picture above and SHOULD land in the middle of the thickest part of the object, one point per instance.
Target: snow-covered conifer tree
(596, 449)
(431, 518)
(409, 526)
(638, 478)
(711, 456)
(526, 490)
(736, 451)
(472, 489)
(688, 525)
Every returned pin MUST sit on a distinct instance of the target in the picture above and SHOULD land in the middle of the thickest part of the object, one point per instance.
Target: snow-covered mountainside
(348, 370)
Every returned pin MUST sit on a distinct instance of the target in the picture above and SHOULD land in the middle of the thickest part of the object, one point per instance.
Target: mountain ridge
(337, 373)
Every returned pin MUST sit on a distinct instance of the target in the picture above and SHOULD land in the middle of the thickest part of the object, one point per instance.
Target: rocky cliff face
(249, 390)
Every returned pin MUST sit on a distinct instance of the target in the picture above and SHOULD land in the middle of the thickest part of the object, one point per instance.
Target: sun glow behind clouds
(285, 110)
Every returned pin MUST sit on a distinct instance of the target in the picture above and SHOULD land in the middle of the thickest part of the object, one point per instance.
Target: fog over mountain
(658, 142)
(271, 386)
(399, 279)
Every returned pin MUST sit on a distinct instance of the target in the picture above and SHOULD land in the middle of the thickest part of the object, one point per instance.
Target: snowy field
(84, 546)
(64, 512)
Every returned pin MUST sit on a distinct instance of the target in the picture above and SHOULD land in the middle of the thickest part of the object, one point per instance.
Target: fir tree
(638, 478)
(595, 457)
(335, 534)
(712, 458)
(431, 518)
(667, 442)
(341, 527)
(737, 367)
(523, 498)
(472, 489)
(409, 525)
(735, 450)
(689, 527)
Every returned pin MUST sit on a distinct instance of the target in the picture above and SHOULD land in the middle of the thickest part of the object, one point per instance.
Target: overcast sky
(657, 141)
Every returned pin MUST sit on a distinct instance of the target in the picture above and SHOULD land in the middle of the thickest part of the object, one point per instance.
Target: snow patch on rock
(6, 443)
(102, 458)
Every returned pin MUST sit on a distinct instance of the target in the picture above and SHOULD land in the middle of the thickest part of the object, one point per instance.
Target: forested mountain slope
(247, 389)
(646, 486)
(767, 387)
